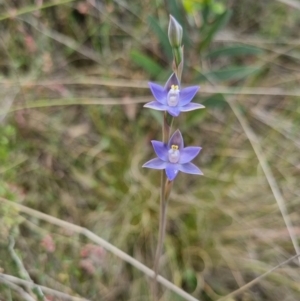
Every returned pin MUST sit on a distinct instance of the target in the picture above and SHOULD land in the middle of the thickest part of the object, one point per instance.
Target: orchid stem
(166, 186)
(165, 193)
(161, 233)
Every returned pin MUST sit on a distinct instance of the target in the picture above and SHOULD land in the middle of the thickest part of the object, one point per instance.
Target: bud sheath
(174, 33)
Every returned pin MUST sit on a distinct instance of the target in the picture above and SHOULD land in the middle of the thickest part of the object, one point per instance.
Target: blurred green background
(74, 135)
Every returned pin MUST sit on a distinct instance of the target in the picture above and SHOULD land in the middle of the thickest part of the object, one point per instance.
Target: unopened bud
(174, 33)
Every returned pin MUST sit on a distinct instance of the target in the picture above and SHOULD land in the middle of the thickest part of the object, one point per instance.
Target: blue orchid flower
(174, 157)
(172, 98)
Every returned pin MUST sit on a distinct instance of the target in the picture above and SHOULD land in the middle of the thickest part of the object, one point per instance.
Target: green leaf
(237, 50)
(232, 73)
(215, 101)
(161, 35)
(190, 278)
(218, 24)
(146, 63)
(205, 12)
(176, 11)
(157, 116)
(193, 118)
(218, 8)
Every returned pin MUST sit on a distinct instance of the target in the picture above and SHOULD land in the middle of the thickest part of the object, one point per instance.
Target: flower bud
(174, 33)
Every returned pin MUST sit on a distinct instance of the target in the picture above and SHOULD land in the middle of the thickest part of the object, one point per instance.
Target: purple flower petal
(156, 106)
(161, 150)
(174, 111)
(191, 106)
(172, 171)
(187, 94)
(176, 139)
(158, 92)
(155, 163)
(187, 154)
(190, 168)
(173, 80)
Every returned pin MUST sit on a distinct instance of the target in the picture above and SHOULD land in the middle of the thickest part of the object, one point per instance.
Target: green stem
(178, 61)
(177, 56)
(162, 226)
(165, 193)
(166, 186)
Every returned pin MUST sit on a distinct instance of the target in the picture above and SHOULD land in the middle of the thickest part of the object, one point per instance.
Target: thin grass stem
(22, 270)
(256, 280)
(102, 242)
